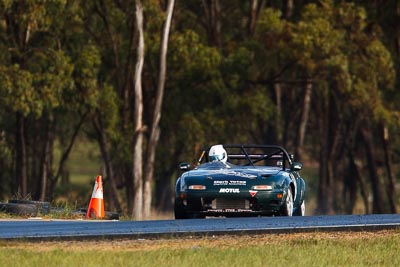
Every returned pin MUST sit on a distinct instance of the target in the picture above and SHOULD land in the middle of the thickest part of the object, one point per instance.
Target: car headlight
(261, 187)
(197, 187)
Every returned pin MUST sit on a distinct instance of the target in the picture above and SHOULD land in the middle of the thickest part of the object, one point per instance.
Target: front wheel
(288, 205)
(179, 210)
(300, 210)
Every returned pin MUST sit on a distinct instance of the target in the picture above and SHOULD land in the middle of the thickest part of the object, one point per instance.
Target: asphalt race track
(32, 229)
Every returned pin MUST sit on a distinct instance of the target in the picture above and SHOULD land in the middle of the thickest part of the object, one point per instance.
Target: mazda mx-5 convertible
(240, 180)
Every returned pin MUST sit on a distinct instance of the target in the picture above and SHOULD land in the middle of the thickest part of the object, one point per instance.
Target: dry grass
(220, 242)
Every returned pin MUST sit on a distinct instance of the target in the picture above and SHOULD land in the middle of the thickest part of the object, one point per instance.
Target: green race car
(240, 180)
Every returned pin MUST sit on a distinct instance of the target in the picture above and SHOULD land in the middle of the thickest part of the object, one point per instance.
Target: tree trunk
(397, 39)
(373, 171)
(301, 131)
(46, 158)
(212, 11)
(288, 9)
(352, 178)
(322, 205)
(390, 188)
(255, 7)
(128, 78)
(115, 202)
(102, 9)
(137, 173)
(350, 185)
(64, 157)
(155, 130)
(325, 193)
(355, 169)
(21, 165)
(278, 118)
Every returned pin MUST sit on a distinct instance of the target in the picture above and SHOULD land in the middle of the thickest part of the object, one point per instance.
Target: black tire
(300, 210)
(19, 209)
(111, 215)
(79, 213)
(179, 210)
(287, 209)
(42, 206)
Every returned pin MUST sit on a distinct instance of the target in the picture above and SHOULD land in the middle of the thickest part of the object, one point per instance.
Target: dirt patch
(195, 242)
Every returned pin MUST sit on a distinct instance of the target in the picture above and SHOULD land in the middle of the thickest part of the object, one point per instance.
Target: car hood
(226, 171)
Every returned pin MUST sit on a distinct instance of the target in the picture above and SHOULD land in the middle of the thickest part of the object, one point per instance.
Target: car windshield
(253, 155)
(216, 157)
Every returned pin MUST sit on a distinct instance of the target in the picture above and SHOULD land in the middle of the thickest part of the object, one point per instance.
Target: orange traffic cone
(96, 204)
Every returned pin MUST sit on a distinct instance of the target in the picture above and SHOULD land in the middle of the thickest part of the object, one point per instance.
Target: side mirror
(184, 166)
(296, 166)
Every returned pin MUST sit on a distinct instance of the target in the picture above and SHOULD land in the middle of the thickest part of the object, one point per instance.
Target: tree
(155, 128)
(317, 77)
(137, 165)
(31, 89)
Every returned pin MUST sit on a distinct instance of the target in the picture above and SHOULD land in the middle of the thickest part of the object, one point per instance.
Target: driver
(217, 153)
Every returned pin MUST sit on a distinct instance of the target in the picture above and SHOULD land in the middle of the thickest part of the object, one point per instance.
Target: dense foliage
(318, 77)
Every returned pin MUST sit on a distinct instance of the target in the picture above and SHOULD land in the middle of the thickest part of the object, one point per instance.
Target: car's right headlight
(197, 187)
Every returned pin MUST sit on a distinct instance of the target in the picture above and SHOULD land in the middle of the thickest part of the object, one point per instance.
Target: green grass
(315, 249)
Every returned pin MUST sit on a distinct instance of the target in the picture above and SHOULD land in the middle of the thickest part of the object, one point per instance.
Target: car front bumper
(230, 205)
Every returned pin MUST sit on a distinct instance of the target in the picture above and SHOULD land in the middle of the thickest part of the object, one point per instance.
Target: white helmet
(217, 153)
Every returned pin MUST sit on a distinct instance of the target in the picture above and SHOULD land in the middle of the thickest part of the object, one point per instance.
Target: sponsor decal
(235, 183)
(229, 190)
(221, 182)
(253, 193)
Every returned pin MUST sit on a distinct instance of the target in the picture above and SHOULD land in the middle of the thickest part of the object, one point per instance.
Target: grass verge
(300, 249)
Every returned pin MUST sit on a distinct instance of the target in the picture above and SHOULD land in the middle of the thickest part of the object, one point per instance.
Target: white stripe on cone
(97, 192)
